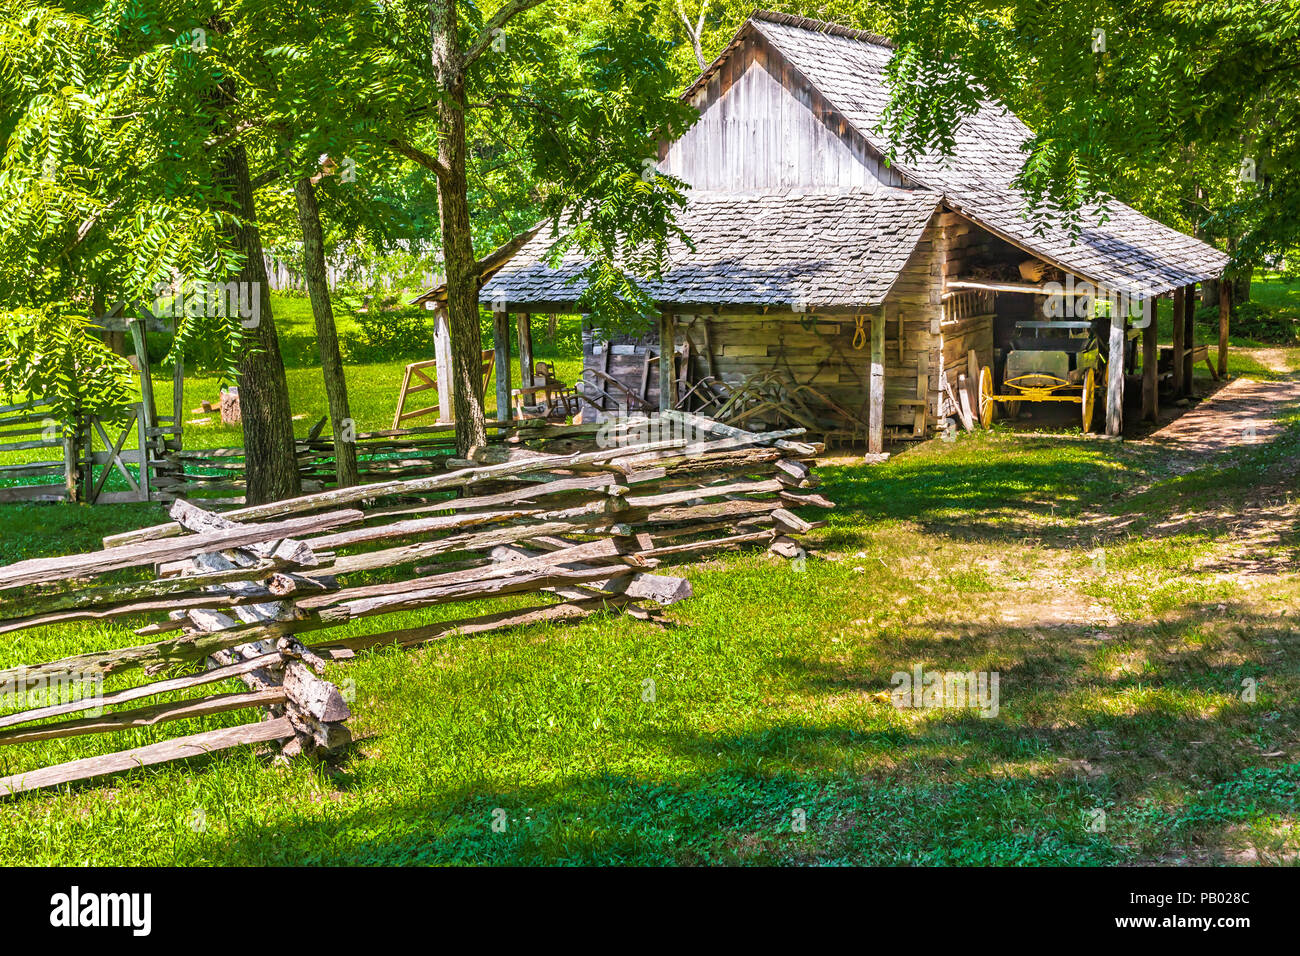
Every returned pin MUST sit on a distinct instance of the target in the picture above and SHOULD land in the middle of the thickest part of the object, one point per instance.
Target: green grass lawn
(1102, 581)
(373, 387)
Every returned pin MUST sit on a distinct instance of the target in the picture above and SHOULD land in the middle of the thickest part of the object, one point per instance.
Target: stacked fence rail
(564, 522)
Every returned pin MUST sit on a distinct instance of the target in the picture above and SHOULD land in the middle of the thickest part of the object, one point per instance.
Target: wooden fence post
(143, 431)
(71, 466)
(442, 358)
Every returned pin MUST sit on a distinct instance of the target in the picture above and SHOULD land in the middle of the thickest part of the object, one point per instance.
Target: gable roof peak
(822, 26)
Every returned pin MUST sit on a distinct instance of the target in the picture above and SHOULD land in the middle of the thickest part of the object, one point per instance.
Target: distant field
(372, 386)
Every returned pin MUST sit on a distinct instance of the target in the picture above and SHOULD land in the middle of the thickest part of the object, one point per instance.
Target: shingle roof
(836, 248)
(1130, 252)
(815, 249)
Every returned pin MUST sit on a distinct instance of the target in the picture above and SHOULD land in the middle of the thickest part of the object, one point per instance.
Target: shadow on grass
(976, 491)
(1169, 750)
(1163, 700)
(728, 815)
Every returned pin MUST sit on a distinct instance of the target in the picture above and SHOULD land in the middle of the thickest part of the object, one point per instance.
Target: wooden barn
(830, 288)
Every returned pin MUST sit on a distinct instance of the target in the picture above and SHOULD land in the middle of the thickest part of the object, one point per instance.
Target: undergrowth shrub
(385, 332)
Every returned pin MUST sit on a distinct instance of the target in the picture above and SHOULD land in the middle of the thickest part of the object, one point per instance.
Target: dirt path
(1244, 412)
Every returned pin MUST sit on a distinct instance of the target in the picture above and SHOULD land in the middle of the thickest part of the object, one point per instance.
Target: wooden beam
(1180, 334)
(876, 412)
(501, 342)
(1225, 313)
(1189, 335)
(39, 571)
(667, 365)
(129, 694)
(1150, 369)
(1115, 377)
(150, 716)
(955, 285)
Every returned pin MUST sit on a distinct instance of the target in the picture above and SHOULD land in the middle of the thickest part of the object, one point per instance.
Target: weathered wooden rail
(257, 592)
(81, 470)
(216, 473)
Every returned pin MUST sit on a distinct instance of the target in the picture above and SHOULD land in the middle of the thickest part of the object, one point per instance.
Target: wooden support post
(146, 382)
(876, 413)
(1115, 376)
(501, 342)
(85, 449)
(442, 358)
(178, 399)
(143, 432)
(667, 364)
(1150, 376)
(525, 330)
(1225, 313)
(1189, 334)
(1180, 333)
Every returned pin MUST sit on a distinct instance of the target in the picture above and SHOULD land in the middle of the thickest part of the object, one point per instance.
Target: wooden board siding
(965, 245)
(762, 127)
(623, 358)
(968, 245)
(960, 338)
(818, 350)
(821, 355)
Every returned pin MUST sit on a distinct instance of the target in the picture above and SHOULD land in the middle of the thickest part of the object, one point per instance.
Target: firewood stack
(582, 518)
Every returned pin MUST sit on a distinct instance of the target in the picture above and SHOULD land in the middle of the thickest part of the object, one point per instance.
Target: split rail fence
(257, 594)
(76, 468)
(216, 473)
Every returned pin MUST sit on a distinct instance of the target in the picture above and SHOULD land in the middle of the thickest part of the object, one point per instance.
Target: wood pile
(256, 594)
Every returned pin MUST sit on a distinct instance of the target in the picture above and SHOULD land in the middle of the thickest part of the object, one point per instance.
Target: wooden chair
(425, 381)
(553, 398)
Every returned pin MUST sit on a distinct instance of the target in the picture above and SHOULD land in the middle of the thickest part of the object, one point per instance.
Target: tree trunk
(457, 242)
(1241, 286)
(327, 340)
(1210, 293)
(271, 466)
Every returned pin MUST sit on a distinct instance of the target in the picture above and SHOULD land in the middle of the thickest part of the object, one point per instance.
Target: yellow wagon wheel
(1089, 398)
(986, 396)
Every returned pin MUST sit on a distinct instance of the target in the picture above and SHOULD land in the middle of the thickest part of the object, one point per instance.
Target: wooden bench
(1200, 353)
